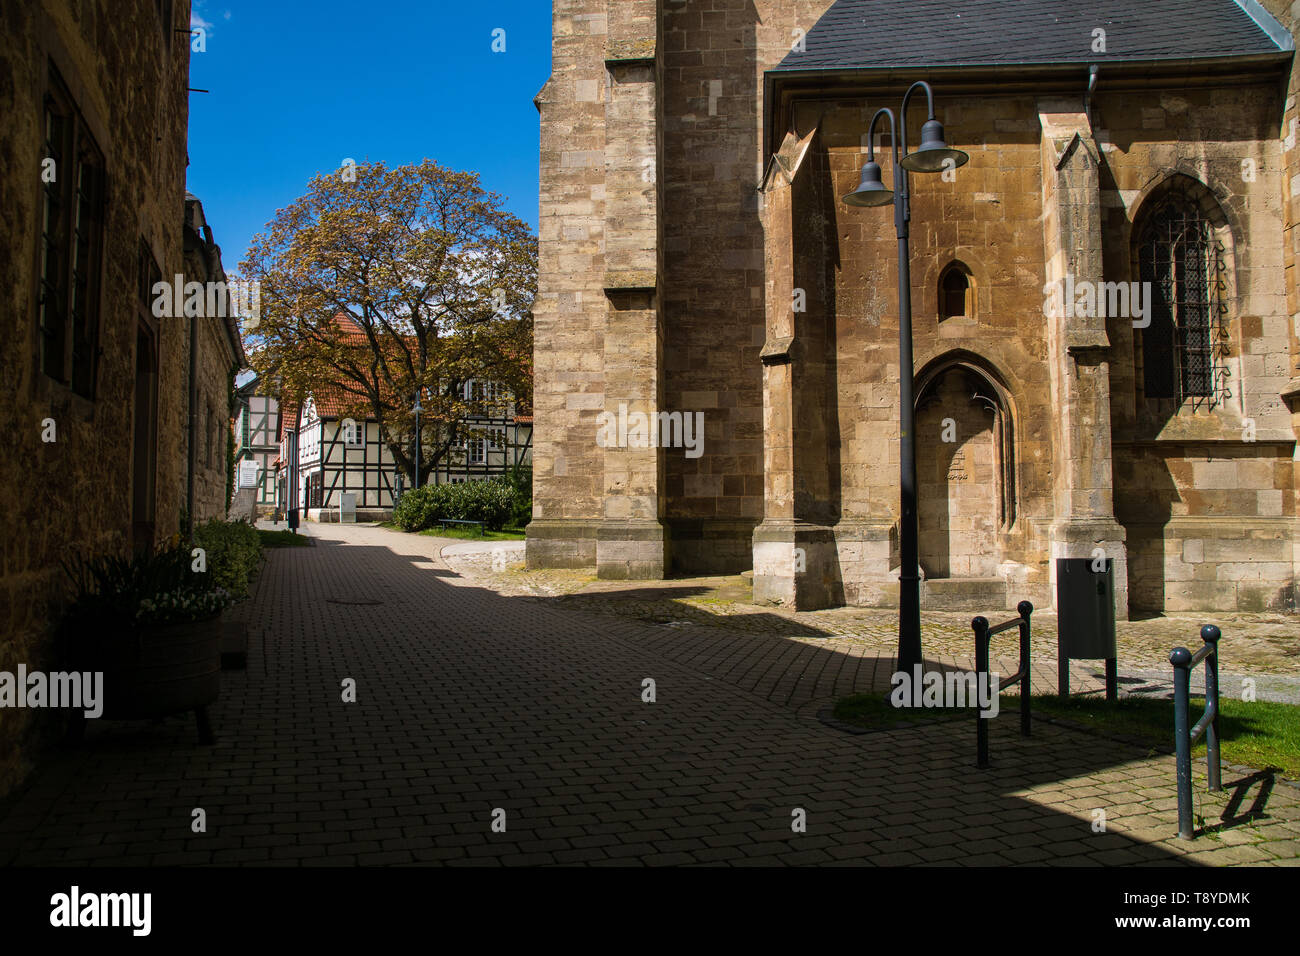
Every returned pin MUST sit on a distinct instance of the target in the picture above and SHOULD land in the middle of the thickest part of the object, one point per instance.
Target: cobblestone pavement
(470, 701)
(1262, 647)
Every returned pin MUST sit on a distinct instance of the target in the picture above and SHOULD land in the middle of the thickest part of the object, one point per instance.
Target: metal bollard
(981, 627)
(1210, 635)
(1025, 609)
(1181, 658)
(1184, 733)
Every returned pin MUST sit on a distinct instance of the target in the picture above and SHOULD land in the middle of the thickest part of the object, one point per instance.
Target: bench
(449, 522)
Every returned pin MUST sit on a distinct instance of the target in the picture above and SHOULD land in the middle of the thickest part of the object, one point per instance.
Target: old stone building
(697, 258)
(110, 442)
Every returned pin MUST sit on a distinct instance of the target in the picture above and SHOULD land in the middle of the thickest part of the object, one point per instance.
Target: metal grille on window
(1182, 261)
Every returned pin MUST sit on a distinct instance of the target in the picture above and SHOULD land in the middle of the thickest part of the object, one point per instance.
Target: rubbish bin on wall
(1085, 618)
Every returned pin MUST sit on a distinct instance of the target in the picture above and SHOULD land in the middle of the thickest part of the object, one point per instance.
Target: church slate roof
(896, 34)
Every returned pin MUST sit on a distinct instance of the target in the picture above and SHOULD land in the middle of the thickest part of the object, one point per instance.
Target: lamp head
(934, 155)
(871, 191)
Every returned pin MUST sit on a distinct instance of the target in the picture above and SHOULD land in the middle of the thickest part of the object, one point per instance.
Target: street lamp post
(417, 411)
(932, 156)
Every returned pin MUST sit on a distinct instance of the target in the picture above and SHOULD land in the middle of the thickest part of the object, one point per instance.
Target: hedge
(491, 502)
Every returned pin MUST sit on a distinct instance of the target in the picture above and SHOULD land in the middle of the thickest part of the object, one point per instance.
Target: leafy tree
(380, 284)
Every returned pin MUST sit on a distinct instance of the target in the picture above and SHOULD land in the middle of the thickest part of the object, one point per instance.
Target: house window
(1180, 258)
(477, 451)
(72, 244)
(480, 391)
(955, 299)
(315, 489)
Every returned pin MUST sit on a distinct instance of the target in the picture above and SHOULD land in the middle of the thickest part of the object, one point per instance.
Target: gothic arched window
(956, 295)
(1179, 264)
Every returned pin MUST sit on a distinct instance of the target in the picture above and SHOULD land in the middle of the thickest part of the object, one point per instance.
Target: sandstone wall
(127, 73)
(1207, 495)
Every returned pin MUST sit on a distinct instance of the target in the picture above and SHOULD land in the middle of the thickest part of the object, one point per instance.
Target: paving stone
(472, 698)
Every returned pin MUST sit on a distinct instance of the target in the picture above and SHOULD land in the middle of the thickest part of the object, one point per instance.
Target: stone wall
(127, 73)
(217, 354)
(1207, 494)
(570, 310)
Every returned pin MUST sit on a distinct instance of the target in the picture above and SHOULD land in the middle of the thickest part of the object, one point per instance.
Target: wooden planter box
(159, 670)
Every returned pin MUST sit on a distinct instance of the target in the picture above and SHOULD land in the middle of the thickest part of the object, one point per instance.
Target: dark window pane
(53, 303)
(87, 252)
(955, 293)
(1175, 255)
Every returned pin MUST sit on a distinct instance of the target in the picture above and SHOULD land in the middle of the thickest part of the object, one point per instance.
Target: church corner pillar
(632, 540)
(795, 560)
(1084, 524)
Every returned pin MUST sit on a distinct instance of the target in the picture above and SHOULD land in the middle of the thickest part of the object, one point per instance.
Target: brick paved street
(1263, 647)
(471, 700)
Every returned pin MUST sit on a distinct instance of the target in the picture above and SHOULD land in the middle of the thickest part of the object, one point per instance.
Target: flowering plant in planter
(113, 593)
(182, 605)
(151, 622)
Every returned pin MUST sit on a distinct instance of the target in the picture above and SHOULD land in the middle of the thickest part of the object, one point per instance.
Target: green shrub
(234, 553)
(421, 508)
(491, 502)
(521, 485)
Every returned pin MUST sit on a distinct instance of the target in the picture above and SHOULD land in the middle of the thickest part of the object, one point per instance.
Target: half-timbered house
(345, 470)
(494, 438)
(257, 429)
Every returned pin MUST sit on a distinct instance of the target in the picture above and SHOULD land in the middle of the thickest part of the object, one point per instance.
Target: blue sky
(295, 88)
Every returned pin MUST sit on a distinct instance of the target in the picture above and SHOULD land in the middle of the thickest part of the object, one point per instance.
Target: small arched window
(956, 295)
(1179, 264)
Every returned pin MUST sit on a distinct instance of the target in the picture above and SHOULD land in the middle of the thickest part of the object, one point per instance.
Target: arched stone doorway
(965, 472)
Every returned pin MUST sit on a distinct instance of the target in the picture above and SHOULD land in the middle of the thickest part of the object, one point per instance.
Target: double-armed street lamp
(932, 156)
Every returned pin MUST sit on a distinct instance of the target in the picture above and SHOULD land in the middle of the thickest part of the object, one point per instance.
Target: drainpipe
(1093, 72)
(192, 428)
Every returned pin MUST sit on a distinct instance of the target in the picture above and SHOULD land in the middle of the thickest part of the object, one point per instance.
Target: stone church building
(1104, 299)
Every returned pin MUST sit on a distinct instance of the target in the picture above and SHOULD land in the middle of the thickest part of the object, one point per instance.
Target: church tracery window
(1182, 259)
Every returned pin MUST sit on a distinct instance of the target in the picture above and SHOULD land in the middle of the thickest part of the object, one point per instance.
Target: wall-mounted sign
(248, 474)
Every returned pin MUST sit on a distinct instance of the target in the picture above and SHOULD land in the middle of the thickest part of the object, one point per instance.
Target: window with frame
(478, 451)
(72, 244)
(955, 293)
(1180, 258)
(476, 390)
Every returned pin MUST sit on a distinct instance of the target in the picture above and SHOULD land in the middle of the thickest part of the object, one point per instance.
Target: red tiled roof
(334, 401)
